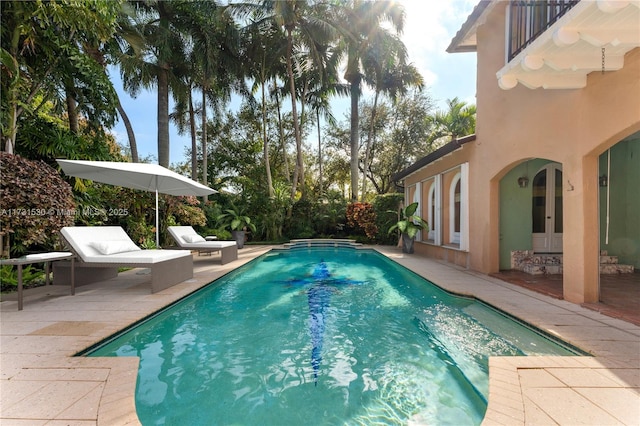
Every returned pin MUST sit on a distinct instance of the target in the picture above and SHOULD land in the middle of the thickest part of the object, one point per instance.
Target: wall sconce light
(523, 182)
(603, 180)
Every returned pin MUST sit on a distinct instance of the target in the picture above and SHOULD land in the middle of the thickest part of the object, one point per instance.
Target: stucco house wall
(572, 127)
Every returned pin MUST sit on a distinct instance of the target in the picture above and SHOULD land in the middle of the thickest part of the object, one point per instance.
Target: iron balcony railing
(529, 19)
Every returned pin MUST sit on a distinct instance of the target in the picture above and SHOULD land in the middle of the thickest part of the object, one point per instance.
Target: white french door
(547, 209)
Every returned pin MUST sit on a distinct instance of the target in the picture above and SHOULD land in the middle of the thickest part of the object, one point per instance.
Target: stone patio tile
(538, 378)
(19, 328)
(534, 415)
(68, 374)
(568, 319)
(601, 332)
(37, 344)
(69, 328)
(15, 391)
(626, 377)
(623, 404)
(85, 408)
(504, 396)
(24, 422)
(567, 407)
(117, 413)
(580, 377)
(496, 418)
(50, 400)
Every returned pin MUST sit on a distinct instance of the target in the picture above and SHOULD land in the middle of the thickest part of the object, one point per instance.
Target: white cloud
(429, 28)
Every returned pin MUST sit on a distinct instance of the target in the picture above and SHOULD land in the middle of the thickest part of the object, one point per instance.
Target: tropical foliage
(35, 203)
(409, 222)
(280, 158)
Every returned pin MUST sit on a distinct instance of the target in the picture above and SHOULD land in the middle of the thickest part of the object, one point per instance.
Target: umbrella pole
(157, 221)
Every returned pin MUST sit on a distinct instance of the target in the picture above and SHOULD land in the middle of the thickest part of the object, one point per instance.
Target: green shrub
(384, 205)
(9, 276)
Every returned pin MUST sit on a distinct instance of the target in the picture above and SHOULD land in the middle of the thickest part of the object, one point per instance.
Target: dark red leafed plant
(363, 216)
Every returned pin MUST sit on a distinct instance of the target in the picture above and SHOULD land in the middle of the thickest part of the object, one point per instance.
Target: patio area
(619, 293)
(42, 383)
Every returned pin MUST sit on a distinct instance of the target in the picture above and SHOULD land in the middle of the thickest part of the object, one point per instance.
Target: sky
(429, 27)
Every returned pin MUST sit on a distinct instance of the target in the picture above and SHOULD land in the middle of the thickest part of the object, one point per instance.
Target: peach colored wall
(447, 254)
(571, 127)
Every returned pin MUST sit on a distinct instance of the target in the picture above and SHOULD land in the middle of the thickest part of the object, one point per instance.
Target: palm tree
(164, 47)
(308, 33)
(213, 67)
(262, 53)
(360, 24)
(459, 120)
(388, 73)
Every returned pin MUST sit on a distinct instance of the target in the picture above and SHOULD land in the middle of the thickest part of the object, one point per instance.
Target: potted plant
(238, 223)
(409, 224)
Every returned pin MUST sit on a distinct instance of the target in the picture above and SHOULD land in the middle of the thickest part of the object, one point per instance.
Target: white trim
(432, 204)
(454, 237)
(464, 206)
(438, 236)
(417, 198)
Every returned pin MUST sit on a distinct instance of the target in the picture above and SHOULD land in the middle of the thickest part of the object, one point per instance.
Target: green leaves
(409, 222)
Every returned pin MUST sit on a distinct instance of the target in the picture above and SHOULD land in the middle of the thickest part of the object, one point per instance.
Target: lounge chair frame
(164, 273)
(228, 249)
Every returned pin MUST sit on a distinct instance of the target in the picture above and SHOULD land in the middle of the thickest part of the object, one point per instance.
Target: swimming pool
(321, 336)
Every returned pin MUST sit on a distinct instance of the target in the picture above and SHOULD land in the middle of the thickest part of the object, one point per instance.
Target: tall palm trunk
(265, 143)
(283, 142)
(133, 146)
(163, 116)
(367, 150)
(319, 153)
(204, 135)
(298, 173)
(194, 143)
(354, 136)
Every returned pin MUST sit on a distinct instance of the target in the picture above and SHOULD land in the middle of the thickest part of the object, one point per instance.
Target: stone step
(551, 263)
(616, 268)
(541, 269)
(609, 269)
(608, 260)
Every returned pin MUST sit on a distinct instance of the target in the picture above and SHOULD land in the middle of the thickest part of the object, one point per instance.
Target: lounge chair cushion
(182, 234)
(82, 239)
(193, 238)
(114, 247)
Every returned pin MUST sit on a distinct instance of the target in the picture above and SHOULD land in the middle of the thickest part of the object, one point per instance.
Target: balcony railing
(529, 19)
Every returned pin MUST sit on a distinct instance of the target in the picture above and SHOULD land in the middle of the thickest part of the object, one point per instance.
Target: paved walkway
(42, 383)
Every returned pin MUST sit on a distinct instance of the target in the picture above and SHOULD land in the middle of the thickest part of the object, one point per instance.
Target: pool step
(321, 242)
(546, 264)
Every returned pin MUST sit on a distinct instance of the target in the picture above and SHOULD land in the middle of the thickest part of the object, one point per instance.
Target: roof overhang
(591, 36)
(433, 156)
(465, 38)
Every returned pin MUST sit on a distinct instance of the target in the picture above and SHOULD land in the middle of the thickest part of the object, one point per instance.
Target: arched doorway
(547, 209)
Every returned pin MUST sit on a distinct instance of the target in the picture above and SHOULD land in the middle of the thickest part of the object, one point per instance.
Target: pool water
(329, 336)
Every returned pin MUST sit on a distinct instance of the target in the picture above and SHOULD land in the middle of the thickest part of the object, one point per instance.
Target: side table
(47, 258)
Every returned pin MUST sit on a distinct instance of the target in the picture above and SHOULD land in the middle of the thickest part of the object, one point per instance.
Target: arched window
(431, 214)
(455, 209)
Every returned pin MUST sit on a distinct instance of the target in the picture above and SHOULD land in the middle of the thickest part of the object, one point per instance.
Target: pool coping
(41, 381)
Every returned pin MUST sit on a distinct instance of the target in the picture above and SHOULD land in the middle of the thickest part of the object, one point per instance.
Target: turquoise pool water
(320, 337)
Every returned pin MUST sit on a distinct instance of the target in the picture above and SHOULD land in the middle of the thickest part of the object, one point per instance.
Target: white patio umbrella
(143, 176)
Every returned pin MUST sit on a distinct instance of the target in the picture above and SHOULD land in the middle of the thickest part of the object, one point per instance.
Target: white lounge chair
(109, 247)
(187, 238)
